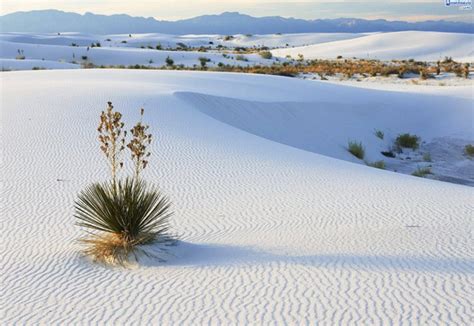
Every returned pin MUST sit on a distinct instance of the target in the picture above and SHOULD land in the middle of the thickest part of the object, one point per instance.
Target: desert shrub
(241, 57)
(158, 46)
(228, 37)
(469, 150)
(181, 46)
(266, 54)
(424, 75)
(124, 41)
(38, 68)
(422, 172)
(377, 165)
(84, 57)
(448, 60)
(20, 55)
(379, 134)
(407, 141)
(465, 72)
(122, 214)
(169, 61)
(88, 65)
(203, 61)
(356, 149)
(401, 72)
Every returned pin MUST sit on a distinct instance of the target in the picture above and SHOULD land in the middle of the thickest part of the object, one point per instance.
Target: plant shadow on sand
(214, 255)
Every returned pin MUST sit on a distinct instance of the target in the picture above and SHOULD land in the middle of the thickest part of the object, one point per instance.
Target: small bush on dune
(356, 149)
(379, 134)
(122, 214)
(21, 55)
(266, 54)
(240, 57)
(408, 141)
(169, 62)
(377, 165)
(422, 172)
(203, 61)
(469, 150)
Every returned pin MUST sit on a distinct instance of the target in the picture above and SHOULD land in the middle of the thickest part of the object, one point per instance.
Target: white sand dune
(117, 55)
(271, 233)
(427, 46)
(166, 40)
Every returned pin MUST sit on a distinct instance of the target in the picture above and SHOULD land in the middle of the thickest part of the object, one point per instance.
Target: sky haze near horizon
(407, 10)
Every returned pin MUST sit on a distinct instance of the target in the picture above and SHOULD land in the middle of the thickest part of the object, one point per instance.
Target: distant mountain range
(51, 21)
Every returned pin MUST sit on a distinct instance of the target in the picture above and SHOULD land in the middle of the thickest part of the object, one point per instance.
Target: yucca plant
(126, 215)
(121, 215)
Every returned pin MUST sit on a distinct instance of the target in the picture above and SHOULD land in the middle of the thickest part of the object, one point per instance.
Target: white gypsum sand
(270, 232)
(425, 46)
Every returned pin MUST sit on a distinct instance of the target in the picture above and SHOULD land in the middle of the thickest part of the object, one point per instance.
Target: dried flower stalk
(112, 138)
(138, 145)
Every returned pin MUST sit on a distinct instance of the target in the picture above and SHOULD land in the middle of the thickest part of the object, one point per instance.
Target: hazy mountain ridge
(225, 23)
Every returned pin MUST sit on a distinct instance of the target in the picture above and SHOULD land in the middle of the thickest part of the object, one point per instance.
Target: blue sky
(309, 9)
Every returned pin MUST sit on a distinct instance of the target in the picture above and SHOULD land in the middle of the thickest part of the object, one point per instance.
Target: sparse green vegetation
(422, 172)
(377, 165)
(379, 134)
(408, 141)
(266, 54)
(169, 62)
(21, 55)
(356, 149)
(203, 61)
(469, 150)
(241, 57)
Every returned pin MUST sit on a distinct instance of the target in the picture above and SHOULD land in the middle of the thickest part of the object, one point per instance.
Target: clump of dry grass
(123, 214)
(408, 141)
(422, 172)
(356, 149)
(377, 165)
